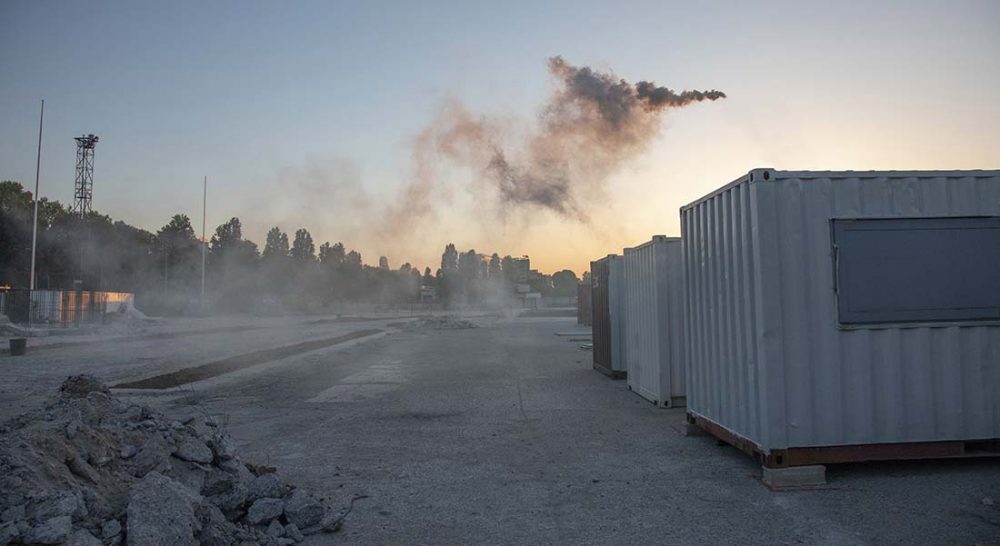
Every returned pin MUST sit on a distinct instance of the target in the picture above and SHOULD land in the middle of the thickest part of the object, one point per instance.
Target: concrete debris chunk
(264, 510)
(188, 474)
(216, 530)
(194, 451)
(161, 513)
(265, 485)
(9, 532)
(236, 467)
(151, 456)
(83, 537)
(110, 529)
(218, 483)
(222, 446)
(275, 529)
(81, 468)
(232, 503)
(303, 510)
(52, 531)
(14, 513)
(292, 531)
(59, 504)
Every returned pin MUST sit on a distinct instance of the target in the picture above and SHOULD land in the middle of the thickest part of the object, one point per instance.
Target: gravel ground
(158, 348)
(502, 434)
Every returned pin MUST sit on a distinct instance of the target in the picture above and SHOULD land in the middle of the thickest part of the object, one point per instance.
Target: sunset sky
(305, 114)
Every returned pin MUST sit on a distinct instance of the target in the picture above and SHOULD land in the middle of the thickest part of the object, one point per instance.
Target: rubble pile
(91, 469)
(443, 322)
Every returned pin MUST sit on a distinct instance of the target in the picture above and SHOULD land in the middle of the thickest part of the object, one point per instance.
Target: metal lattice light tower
(84, 187)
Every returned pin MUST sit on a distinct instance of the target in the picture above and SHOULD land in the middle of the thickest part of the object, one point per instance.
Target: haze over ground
(306, 115)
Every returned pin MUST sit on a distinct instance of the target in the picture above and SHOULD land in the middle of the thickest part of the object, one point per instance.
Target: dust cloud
(591, 125)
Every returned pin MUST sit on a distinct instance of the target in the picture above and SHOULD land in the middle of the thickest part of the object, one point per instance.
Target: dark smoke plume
(591, 125)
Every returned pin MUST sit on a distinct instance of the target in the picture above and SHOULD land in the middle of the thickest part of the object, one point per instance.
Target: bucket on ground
(18, 345)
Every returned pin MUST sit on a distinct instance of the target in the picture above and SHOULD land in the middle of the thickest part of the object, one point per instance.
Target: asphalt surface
(504, 435)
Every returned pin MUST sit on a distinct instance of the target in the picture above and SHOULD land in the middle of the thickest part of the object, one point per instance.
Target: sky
(306, 114)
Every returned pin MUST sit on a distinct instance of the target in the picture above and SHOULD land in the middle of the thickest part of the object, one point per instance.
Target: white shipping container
(653, 325)
(855, 311)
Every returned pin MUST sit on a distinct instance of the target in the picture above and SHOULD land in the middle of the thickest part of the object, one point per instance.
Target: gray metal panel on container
(654, 307)
(767, 358)
(722, 361)
(917, 269)
(600, 313)
(615, 304)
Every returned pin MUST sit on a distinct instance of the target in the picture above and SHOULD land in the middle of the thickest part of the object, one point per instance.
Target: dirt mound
(88, 468)
(79, 386)
(442, 322)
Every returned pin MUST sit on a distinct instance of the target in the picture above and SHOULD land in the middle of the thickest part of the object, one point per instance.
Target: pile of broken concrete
(92, 469)
(443, 322)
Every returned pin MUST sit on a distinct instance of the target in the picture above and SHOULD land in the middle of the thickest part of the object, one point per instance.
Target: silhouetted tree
(449, 259)
(179, 262)
(303, 249)
(233, 261)
(496, 270)
(564, 283)
(332, 255)
(276, 244)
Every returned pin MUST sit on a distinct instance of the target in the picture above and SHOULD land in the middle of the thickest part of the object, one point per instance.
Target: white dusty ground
(504, 435)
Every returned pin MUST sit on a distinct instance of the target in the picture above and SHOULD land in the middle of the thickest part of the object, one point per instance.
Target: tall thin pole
(38, 170)
(204, 209)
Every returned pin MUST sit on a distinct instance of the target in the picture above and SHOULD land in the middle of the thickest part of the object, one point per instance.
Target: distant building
(383, 262)
(521, 269)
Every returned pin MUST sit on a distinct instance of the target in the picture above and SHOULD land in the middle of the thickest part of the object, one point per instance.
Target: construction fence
(62, 307)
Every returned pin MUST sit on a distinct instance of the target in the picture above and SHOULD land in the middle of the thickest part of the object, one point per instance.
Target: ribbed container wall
(723, 381)
(768, 359)
(600, 322)
(653, 325)
(616, 300)
(606, 321)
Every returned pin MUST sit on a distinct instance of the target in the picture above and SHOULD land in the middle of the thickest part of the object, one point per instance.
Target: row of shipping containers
(820, 317)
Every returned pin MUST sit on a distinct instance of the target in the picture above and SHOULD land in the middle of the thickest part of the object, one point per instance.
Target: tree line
(164, 269)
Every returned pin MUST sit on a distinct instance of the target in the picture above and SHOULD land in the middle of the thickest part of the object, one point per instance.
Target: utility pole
(204, 242)
(34, 228)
